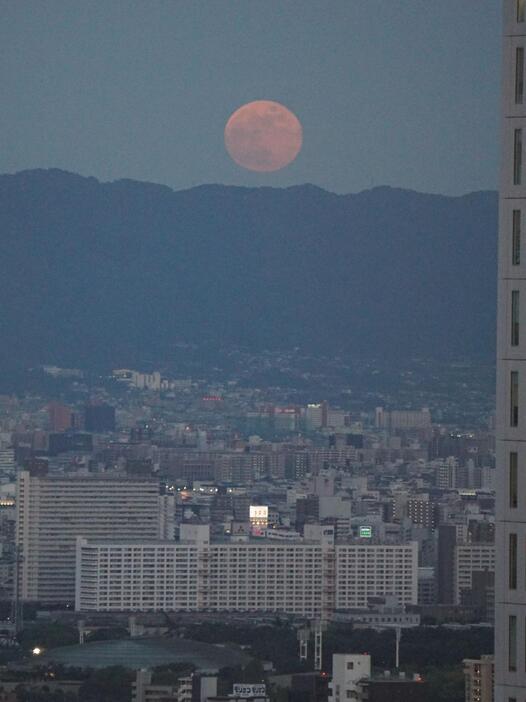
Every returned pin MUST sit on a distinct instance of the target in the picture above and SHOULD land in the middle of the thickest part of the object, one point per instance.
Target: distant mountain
(96, 272)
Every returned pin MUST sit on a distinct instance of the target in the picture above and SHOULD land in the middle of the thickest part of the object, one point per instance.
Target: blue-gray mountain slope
(96, 272)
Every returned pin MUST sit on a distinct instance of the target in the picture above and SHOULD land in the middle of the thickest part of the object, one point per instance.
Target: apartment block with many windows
(53, 511)
(306, 578)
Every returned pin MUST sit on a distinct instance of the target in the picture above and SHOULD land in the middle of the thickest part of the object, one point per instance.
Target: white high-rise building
(510, 605)
(52, 512)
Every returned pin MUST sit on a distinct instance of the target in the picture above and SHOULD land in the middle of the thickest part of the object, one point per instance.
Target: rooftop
(145, 653)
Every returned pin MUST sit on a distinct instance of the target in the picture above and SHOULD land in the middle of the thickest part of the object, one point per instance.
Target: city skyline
(248, 410)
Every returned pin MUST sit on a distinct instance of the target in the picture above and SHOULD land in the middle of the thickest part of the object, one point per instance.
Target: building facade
(192, 688)
(304, 578)
(51, 512)
(510, 584)
(479, 679)
(347, 671)
(471, 558)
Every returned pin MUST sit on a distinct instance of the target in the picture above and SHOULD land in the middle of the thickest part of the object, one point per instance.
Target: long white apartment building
(510, 580)
(310, 577)
(51, 512)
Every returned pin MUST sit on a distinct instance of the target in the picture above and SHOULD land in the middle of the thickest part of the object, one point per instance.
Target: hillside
(112, 273)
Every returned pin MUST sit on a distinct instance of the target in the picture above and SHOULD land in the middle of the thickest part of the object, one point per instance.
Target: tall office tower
(510, 585)
(51, 512)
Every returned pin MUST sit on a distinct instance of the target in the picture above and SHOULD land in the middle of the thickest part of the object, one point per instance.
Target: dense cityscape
(154, 505)
(259, 440)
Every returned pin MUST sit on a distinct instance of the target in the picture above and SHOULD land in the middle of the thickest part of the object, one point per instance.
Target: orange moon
(263, 136)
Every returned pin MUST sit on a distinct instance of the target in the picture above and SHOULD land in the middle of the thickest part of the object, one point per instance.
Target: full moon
(263, 136)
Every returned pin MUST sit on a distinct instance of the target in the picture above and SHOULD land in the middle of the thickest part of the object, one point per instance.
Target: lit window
(517, 157)
(513, 479)
(514, 398)
(519, 75)
(512, 643)
(512, 562)
(516, 238)
(514, 317)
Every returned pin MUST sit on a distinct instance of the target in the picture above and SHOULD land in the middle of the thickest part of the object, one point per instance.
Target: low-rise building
(348, 669)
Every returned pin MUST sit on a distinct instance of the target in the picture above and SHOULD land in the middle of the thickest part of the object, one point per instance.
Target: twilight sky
(402, 93)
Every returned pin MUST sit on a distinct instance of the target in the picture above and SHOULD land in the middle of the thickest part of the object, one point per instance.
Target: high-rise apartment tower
(53, 511)
(510, 607)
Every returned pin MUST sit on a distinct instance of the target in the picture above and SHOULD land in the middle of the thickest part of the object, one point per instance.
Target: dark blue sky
(402, 93)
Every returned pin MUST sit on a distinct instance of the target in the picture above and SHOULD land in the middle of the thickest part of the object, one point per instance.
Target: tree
(107, 685)
(170, 673)
(48, 635)
(445, 685)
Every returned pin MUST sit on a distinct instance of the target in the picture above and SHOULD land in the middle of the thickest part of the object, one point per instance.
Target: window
(512, 562)
(517, 157)
(521, 10)
(516, 238)
(512, 643)
(514, 317)
(514, 398)
(519, 75)
(513, 479)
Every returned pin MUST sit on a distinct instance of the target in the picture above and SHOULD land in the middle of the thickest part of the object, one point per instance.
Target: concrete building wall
(347, 670)
(479, 679)
(510, 600)
(307, 579)
(471, 558)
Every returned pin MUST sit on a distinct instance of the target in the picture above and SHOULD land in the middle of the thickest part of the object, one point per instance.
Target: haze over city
(261, 351)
